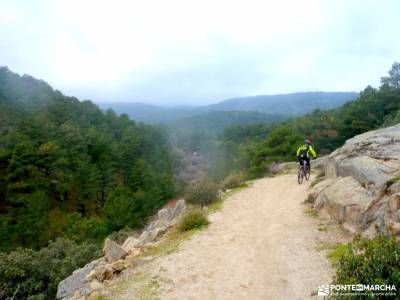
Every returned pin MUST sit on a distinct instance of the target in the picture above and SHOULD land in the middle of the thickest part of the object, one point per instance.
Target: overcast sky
(197, 52)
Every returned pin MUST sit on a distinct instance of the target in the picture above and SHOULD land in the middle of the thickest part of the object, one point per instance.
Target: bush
(375, 261)
(202, 193)
(233, 180)
(193, 220)
(122, 208)
(392, 181)
(120, 236)
(81, 229)
(36, 274)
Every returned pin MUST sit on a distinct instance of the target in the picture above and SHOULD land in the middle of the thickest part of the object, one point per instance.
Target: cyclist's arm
(313, 153)
(298, 152)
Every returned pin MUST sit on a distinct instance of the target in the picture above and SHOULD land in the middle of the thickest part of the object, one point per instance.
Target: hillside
(196, 132)
(285, 104)
(149, 113)
(70, 175)
(242, 149)
(266, 235)
(290, 104)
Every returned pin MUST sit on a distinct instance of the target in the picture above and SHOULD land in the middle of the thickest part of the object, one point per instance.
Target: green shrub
(120, 236)
(202, 193)
(233, 180)
(36, 274)
(193, 220)
(392, 181)
(81, 229)
(122, 208)
(370, 261)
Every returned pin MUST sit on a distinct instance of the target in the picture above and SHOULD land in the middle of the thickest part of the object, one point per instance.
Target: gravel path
(260, 245)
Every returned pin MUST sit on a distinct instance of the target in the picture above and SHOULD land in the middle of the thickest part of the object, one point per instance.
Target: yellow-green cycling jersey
(310, 150)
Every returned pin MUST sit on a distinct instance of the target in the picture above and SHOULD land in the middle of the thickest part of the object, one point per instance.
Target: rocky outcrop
(362, 186)
(92, 277)
(68, 286)
(112, 251)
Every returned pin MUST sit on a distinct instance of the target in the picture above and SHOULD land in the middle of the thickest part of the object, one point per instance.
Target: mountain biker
(304, 151)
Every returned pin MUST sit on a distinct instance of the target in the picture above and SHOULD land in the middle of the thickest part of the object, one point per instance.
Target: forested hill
(252, 149)
(195, 133)
(67, 169)
(289, 104)
(151, 114)
(285, 104)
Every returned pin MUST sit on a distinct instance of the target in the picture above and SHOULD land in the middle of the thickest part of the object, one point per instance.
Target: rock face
(130, 244)
(89, 279)
(68, 286)
(112, 251)
(362, 189)
(166, 218)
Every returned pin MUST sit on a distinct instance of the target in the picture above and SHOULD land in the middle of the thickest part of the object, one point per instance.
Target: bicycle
(303, 172)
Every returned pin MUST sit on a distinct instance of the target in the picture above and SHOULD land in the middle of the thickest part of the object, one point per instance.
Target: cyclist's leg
(300, 161)
(308, 163)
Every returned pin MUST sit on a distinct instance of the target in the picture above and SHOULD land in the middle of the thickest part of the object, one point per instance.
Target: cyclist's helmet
(309, 141)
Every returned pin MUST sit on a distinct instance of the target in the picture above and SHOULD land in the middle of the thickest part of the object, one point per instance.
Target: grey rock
(179, 208)
(164, 214)
(319, 163)
(370, 172)
(112, 251)
(346, 201)
(318, 188)
(154, 224)
(145, 238)
(394, 188)
(166, 217)
(87, 279)
(394, 203)
(157, 232)
(372, 158)
(76, 280)
(356, 191)
(131, 243)
(96, 285)
(104, 272)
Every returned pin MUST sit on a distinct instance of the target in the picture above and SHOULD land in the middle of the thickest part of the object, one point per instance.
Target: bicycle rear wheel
(307, 173)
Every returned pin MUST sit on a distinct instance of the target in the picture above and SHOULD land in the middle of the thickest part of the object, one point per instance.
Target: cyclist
(304, 151)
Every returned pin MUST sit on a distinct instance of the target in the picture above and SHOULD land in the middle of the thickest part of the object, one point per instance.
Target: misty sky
(197, 52)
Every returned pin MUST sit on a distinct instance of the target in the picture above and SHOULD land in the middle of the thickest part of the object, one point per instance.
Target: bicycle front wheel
(300, 175)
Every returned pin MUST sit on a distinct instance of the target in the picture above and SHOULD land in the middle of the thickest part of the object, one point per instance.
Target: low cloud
(195, 52)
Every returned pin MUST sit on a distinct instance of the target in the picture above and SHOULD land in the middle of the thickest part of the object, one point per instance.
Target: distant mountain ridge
(292, 104)
(149, 113)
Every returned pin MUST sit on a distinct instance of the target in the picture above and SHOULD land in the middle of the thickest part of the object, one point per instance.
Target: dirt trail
(260, 245)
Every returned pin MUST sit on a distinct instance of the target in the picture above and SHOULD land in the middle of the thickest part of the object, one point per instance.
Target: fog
(199, 52)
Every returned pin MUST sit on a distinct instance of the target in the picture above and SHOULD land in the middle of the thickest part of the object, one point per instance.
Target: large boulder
(130, 244)
(76, 280)
(318, 188)
(178, 209)
(346, 201)
(372, 158)
(112, 251)
(363, 185)
(166, 217)
(87, 280)
(319, 163)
